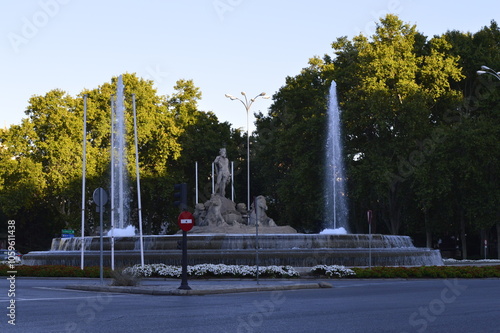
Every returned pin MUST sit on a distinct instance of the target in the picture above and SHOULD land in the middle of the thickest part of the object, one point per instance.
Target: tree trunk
(463, 235)
(394, 211)
(428, 232)
(498, 239)
(484, 236)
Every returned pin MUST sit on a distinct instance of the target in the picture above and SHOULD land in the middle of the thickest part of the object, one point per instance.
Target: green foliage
(441, 272)
(289, 147)
(421, 144)
(41, 159)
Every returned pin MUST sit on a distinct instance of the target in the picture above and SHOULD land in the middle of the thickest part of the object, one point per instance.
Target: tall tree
(392, 97)
(289, 147)
(473, 149)
(41, 159)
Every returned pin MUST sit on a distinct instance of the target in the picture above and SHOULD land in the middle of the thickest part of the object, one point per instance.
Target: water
(336, 209)
(119, 175)
(337, 231)
(122, 232)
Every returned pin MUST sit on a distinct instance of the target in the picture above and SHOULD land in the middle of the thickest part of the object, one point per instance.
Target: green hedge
(361, 273)
(466, 272)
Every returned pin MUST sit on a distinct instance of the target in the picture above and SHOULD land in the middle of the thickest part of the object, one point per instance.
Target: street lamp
(247, 104)
(487, 70)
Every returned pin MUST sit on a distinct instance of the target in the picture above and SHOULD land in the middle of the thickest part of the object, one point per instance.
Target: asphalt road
(43, 305)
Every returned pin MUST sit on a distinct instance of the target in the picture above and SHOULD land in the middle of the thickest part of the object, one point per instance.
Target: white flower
(333, 271)
(201, 270)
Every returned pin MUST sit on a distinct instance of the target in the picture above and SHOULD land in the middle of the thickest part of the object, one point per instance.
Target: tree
(41, 159)
(289, 148)
(473, 148)
(395, 93)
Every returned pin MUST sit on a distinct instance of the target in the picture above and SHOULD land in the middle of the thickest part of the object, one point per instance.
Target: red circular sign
(185, 221)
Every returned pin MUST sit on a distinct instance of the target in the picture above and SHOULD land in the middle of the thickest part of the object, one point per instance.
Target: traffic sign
(100, 196)
(369, 216)
(185, 221)
(67, 233)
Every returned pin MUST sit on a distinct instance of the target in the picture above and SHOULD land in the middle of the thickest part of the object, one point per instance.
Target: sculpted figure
(199, 214)
(221, 164)
(258, 214)
(214, 216)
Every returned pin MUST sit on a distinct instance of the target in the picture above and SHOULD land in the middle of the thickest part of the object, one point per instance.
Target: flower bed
(334, 271)
(211, 270)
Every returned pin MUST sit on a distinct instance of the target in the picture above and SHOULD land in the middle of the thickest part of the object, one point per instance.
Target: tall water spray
(119, 175)
(336, 208)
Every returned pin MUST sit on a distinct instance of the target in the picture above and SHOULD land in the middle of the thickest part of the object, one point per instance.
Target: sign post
(100, 198)
(485, 248)
(257, 215)
(185, 222)
(67, 233)
(369, 215)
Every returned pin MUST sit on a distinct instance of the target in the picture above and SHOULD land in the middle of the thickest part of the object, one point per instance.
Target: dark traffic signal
(180, 196)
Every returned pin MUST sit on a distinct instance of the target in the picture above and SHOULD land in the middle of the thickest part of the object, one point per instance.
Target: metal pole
(184, 283)
(369, 215)
(112, 194)
(370, 246)
(257, 214)
(139, 205)
(248, 159)
(84, 173)
(196, 179)
(232, 181)
(213, 180)
(485, 248)
(247, 104)
(334, 197)
(101, 259)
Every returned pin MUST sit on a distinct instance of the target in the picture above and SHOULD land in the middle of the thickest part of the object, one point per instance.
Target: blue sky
(225, 46)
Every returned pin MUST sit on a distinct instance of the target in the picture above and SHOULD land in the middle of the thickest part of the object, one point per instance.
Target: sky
(224, 46)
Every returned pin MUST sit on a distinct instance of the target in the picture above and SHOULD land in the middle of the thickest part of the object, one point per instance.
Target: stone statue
(221, 164)
(214, 216)
(258, 214)
(199, 214)
(222, 215)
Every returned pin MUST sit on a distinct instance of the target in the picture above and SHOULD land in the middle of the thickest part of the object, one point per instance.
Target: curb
(169, 291)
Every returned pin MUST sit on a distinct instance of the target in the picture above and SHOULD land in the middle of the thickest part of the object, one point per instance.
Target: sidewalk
(170, 287)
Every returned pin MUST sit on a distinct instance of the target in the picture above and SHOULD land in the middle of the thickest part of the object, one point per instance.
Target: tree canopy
(420, 141)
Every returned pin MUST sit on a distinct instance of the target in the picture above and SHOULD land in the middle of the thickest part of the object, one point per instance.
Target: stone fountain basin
(299, 250)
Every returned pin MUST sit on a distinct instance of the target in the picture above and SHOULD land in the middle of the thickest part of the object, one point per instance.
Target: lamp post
(247, 104)
(487, 70)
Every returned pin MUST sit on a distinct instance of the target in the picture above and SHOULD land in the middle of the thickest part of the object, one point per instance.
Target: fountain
(298, 250)
(119, 175)
(336, 210)
(221, 235)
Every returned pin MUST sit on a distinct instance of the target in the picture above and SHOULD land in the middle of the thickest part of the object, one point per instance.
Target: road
(438, 305)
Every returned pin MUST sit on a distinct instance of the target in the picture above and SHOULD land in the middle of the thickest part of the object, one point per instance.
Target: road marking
(4, 299)
(57, 298)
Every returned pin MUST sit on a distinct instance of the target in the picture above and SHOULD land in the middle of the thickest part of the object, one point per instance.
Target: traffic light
(180, 196)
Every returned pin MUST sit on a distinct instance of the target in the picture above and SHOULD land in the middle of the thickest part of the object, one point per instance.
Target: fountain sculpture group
(225, 232)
